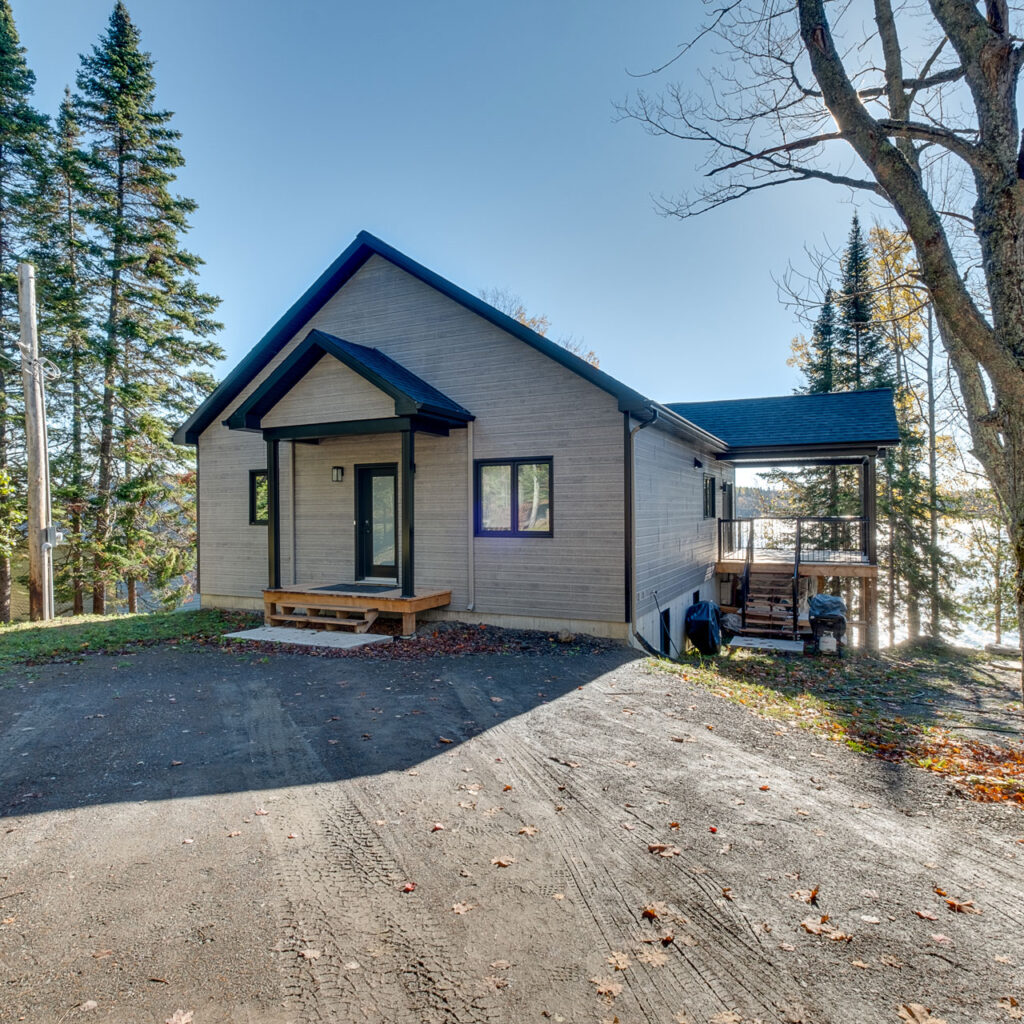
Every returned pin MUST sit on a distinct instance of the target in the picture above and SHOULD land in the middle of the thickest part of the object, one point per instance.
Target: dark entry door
(377, 521)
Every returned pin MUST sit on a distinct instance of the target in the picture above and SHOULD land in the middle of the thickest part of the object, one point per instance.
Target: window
(513, 497)
(709, 496)
(258, 502)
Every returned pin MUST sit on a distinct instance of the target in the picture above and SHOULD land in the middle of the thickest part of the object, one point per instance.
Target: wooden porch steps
(325, 616)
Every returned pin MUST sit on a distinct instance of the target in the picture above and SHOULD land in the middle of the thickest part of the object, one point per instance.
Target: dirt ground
(291, 839)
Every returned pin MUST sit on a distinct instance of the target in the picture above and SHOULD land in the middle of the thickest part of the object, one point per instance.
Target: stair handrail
(747, 560)
(796, 579)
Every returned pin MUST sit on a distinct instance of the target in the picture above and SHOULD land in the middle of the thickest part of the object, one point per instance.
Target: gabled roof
(412, 394)
(341, 270)
(846, 418)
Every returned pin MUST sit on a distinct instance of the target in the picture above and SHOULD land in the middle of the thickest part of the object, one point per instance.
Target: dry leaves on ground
(726, 1017)
(528, 830)
(502, 862)
(1012, 1008)
(927, 915)
(607, 987)
(654, 911)
(806, 895)
(310, 954)
(962, 906)
(652, 957)
(915, 1013)
(463, 908)
(823, 927)
(180, 1017)
(620, 961)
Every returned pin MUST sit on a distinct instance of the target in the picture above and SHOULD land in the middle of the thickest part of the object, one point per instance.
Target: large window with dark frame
(513, 497)
(258, 498)
(709, 496)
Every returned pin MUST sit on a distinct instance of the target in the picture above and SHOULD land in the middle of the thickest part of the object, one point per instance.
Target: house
(395, 445)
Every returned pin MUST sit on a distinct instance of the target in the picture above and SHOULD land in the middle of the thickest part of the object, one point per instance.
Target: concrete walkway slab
(768, 644)
(307, 637)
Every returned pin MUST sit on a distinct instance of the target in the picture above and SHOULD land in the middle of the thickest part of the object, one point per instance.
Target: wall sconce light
(697, 464)
(337, 474)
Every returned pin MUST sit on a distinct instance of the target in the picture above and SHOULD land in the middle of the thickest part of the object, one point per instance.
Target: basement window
(258, 499)
(513, 497)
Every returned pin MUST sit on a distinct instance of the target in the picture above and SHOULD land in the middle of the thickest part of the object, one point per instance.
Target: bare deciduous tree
(920, 111)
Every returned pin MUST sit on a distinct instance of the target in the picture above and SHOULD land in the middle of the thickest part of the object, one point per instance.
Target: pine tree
(22, 141)
(861, 357)
(67, 278)
(156, 326)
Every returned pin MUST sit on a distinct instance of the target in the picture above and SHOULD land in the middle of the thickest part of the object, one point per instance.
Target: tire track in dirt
(340, 899)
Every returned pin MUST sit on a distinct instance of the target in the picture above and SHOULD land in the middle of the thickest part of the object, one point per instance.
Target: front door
(377, 521)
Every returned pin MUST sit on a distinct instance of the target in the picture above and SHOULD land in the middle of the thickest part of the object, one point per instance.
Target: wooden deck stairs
(770, 604)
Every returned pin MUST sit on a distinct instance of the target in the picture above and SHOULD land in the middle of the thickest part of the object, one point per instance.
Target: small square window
(709, 496)
(513, 498)
(258, 498)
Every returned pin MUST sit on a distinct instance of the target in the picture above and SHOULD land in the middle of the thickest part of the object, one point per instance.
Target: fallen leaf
(187, 842)
(101, 953)
(496, 983)
(726, 1016)
(180, 1017)
(260, 812)
(915, 1013)
(89, 1004)
(927, 915)
(176, 764)
(860, 963)
(673, 824)
(607, 987)
(528, 830)
(444, 739)
(502, 862)
(712, 828)
(463, 908)
(653, 911)
(437, 827)
(310, 954)
(505, 789)
(962, 906)
(764, 789)
(292, 835)
(652, 957)
(1002, 960)
(1012, 1008)
(943, 940)
(620, 961)
(727, 893)
(409, 887)
(891, 961)
(806, 895)
(558, 896)
(231, 835)
(822, 927)
(500, 965)
(870, 920)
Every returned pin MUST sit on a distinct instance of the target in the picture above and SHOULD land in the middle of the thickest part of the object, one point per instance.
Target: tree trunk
(935, 627)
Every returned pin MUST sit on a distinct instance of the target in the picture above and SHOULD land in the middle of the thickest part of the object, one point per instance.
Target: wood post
(40, 539)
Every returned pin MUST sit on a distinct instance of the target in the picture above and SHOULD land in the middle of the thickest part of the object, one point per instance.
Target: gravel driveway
(552, 837)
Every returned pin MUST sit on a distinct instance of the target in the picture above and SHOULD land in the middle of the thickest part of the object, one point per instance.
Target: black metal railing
(796, 539)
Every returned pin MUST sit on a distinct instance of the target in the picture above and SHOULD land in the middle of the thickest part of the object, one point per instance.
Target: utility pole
(40, 527)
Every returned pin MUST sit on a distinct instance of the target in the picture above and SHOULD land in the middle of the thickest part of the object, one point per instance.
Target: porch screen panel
(383, 491)
(533, 493)
(496, 497)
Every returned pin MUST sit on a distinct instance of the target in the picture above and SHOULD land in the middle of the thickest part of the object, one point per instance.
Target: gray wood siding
(330, 392)
(526, 405)
(676, 547)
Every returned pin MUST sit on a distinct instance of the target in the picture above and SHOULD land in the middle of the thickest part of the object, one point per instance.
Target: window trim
(709, 488)
(254, 475)
(513, 465)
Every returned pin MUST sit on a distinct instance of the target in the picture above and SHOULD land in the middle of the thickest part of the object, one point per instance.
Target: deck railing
(794, 539)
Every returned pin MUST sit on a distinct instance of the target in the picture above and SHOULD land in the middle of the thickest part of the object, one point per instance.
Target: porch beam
(408, 512)
(273, 514)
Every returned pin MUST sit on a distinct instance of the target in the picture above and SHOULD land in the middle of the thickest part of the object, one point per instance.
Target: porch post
(870, 583)
(408, 531)
(273, 514)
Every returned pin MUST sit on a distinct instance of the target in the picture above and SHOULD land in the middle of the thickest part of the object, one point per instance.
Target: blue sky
(480, 139)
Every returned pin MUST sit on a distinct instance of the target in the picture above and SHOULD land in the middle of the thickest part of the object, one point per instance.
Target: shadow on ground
(171, 723)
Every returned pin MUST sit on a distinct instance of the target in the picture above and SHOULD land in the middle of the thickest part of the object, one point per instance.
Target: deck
(344, 606)
(782, 560)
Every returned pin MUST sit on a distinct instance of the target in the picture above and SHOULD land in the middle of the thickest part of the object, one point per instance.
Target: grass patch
(892, 706)
(35, 643)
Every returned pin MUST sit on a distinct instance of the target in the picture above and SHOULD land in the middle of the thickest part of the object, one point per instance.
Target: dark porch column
(869, 584)
(273, 514)
(408, 517)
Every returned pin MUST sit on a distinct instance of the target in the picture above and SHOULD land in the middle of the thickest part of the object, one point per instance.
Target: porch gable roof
(413, 396)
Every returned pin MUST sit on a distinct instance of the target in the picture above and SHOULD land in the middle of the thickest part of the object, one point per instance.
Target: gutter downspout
(470, 529)
(631, 457)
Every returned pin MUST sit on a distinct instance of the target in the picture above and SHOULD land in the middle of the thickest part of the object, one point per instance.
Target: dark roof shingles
(838, 417)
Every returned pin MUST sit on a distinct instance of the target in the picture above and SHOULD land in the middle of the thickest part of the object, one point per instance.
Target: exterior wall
(526, 405)
(676, 547)
(328, 393)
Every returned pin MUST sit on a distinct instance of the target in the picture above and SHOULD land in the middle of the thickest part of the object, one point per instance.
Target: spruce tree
(22, 144)
(862, 359)
(155, 336)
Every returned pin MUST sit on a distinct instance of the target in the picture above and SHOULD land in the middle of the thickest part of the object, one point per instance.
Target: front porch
(337, 606)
